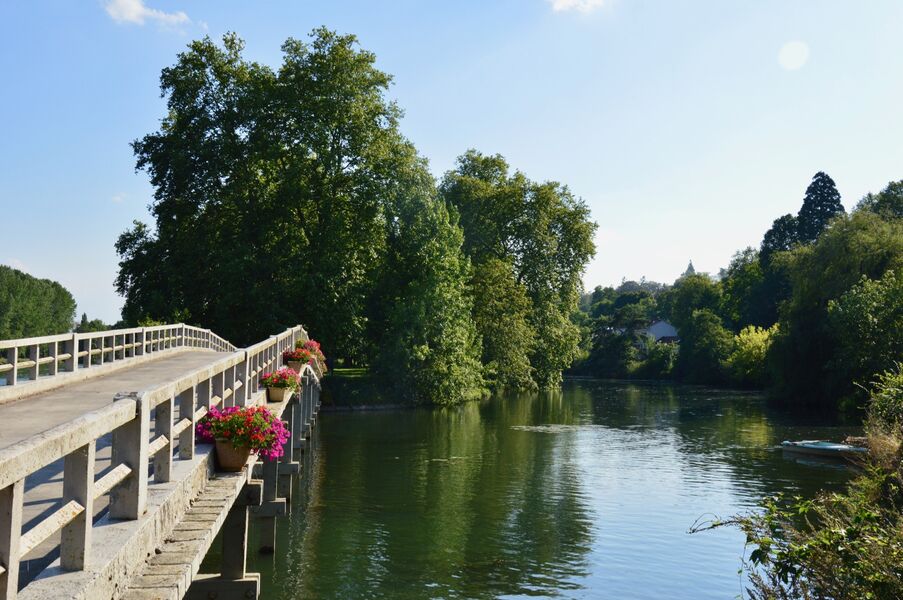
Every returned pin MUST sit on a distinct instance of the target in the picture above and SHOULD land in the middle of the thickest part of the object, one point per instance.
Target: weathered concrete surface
(35, 414)
(31, 415)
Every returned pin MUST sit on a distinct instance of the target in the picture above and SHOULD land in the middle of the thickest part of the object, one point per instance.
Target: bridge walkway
(34, 414)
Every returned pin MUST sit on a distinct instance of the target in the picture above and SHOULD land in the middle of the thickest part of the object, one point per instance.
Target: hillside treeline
(814, 314)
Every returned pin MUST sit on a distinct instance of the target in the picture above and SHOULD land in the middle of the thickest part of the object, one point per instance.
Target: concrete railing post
(163, 421)
(128, 500)
(243, 374)
(70, 347)
(78, 485)
(54, 352)
(12, 357)
(10, 531)
(34, 354)
(187, 406)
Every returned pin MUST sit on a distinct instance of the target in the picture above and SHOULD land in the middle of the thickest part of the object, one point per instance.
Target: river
(583, 493)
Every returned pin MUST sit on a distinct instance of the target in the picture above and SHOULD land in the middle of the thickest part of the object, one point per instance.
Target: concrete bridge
(103, 491)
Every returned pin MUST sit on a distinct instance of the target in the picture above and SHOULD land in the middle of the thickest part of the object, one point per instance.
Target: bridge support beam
(267, 521)
(233, 582)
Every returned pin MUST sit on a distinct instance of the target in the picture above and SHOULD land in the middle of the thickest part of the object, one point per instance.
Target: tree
(867, 322)
(429, 350)
(802, 352)
(705, 345)
(689, 293)
(745, 296)
(86, 326)
(31, 307)
(543, 231)
(820, 205)
(268, 192)
(748, 360)
(502, 317)
(691, 270)
(783, 236)
(888, 203)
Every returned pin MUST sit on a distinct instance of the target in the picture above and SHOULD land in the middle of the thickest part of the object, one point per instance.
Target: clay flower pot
(295, 365)
(230, 458)
(275, 394)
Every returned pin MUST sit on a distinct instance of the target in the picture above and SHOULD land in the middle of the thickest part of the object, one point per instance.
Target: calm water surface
(586, 493)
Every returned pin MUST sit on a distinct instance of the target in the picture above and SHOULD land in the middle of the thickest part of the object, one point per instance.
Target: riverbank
(354, 389)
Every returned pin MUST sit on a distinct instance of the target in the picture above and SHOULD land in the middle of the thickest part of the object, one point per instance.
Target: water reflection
(583, 493)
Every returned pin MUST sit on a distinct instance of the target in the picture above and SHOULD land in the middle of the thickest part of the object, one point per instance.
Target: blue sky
(687, 126)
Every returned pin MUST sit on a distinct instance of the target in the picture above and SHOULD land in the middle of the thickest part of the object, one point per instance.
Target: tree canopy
(289, 195)
(534, 239)
(31, 307)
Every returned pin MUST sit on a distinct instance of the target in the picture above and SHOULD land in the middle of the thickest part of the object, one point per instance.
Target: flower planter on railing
(280, 384)
(241, 431)
(296, 358)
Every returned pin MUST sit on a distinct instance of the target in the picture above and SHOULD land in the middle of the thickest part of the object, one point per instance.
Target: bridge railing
(176, 405)
(39, 358)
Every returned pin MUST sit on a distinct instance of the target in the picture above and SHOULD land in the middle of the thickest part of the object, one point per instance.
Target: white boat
(823, 448)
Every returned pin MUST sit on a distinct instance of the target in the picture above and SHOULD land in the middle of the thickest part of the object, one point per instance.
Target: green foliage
(820, 206)
(888, 203)
(502, 318)
(656, 360)
(845, 545)
(783, 236)
(804, 351)
(613, 353)
(885, 412)
(705, 345)
(747, 362)
(746, 297)
(284, 196)
(268, 188)
(86, 326)
(867, 323)
(430, 350)
(689, 294)
(545, 234)
(31, 307)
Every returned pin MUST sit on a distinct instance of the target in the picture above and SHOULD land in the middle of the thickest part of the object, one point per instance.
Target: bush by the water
(842, 546)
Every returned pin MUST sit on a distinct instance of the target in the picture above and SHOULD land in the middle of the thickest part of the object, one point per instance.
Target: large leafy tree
(867, 322)
(426, 345)
(544, 236)
(705, 346)
(783, 235)
(801, 355)
(689, 293)
(31, 307)
(888, 202)
(745, 295)
(268, 192)
(820, 205)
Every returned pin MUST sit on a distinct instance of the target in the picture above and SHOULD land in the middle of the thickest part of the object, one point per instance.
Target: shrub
(658, 362)
(840, 546)
(747, 362)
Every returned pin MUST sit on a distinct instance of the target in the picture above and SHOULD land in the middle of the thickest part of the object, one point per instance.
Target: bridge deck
(31, 415)
(34, 414)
